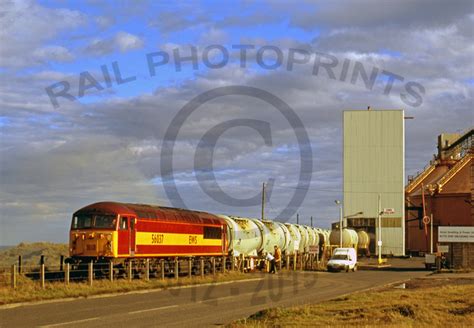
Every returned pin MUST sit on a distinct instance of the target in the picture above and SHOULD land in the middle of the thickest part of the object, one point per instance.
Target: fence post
(13, 276)
(190, 267)
(130, 270)
(67, 274)
(213, 261)
(111, 271)
(42, 259)
(201, 265)
(19, 264)
(223, 264)
(91, 272)
(147, 269)
(242, 262)
(287, 263)
(295, 259)
(233, 262)
(42, 275)
(162, 268)
(176, 268)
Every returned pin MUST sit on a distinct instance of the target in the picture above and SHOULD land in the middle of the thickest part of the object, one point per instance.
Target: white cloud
(121, 41)
(24, 28)
(126, 41)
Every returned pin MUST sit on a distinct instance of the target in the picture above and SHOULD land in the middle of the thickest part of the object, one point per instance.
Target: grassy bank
(423, 303)
(29, 290)
(32, 252)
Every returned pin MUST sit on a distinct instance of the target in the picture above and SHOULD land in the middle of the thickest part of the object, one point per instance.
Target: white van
(343, 259)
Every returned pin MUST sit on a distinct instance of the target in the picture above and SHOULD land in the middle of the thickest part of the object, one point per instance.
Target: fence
(18, 274)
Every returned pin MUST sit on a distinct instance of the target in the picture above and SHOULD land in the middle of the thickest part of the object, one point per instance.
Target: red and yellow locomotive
(119, 232)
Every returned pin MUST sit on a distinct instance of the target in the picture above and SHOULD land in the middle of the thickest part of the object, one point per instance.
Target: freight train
(123, 233)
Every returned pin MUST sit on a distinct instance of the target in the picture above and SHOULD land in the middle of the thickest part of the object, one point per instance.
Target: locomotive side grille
(212, 233)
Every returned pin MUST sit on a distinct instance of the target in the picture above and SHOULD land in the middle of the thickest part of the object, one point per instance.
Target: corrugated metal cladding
(374, 163)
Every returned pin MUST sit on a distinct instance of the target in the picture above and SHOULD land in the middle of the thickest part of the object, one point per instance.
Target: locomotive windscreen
(102, 221)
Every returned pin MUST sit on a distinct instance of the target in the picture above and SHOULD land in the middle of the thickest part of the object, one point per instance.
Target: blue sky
(108, 144)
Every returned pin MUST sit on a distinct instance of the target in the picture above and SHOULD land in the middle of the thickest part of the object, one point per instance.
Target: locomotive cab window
(105, 221)
(123, 223)
(81, 222)
(212, 233)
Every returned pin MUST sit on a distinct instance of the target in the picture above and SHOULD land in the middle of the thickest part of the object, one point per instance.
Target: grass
(29, 290)
(32, 252)
(424, 303)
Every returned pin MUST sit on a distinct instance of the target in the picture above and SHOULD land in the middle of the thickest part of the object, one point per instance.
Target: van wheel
(347, 268)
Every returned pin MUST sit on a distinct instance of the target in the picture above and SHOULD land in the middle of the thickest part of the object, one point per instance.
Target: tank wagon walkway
(199, 306)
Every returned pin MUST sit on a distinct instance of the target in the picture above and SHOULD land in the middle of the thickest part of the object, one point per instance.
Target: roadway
(199, 306)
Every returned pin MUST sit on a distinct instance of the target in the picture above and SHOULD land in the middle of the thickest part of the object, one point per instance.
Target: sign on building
(452, 234)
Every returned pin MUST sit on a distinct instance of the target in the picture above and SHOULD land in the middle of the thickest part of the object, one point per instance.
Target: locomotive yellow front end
(93, 235)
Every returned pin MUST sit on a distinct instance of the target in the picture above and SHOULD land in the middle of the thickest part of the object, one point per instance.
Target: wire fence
(27, 276)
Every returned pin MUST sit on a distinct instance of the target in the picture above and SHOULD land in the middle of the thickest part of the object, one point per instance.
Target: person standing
(277, 256)
(270, 258)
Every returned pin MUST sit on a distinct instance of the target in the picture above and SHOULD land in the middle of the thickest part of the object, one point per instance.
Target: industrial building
(443, 190)
(374, 174)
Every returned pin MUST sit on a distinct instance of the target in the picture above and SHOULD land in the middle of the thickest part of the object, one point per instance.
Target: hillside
(31, 253)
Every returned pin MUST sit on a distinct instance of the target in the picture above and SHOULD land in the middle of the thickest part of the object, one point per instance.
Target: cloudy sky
(127, 69)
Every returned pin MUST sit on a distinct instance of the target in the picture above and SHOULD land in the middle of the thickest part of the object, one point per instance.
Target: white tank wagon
(316, 236)
(266, 237)
(327, 234)
(295, 239)
(323, 238)
(349, 238)
(287, 234)
(363, 241)
(245, 237)
(311, 237)
(304, 243)
(278, 234)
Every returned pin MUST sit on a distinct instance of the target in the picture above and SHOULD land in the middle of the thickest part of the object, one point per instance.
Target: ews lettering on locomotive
(157, 238)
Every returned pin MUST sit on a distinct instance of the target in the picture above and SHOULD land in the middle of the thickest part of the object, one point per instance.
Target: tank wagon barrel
(349, 238)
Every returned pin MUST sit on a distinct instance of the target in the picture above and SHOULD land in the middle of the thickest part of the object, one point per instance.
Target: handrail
(417, 180)
(452, 172)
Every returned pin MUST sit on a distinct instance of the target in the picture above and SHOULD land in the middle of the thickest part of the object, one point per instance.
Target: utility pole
(297, 218)
(431, 234)
(338, 202)
(311, 221)
(379, 243)
(263, 201)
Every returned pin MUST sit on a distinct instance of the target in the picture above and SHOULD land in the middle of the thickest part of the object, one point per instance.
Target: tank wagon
(349, 238)
(363, 242)
(121, 232)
